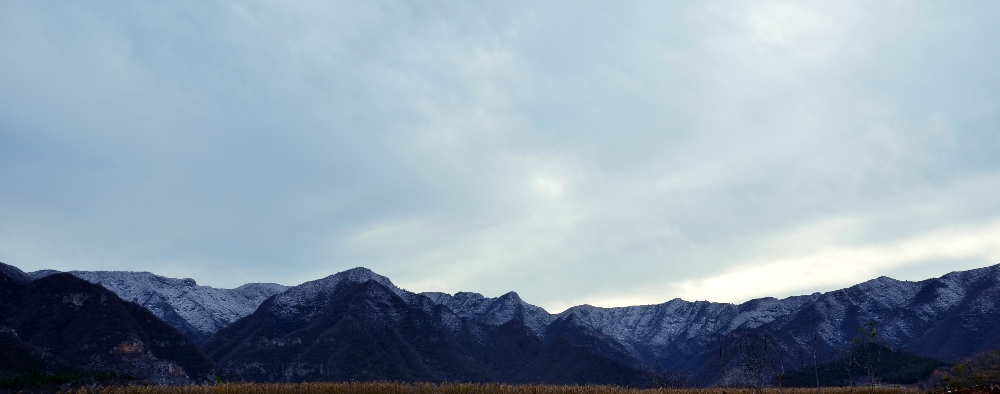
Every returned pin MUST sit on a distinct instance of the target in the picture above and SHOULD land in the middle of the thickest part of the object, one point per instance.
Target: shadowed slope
(362, 332)
(358, 326)
(87, 326)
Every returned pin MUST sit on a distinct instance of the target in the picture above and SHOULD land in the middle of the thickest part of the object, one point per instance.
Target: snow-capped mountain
(196, 311)
(357, 325)
(647, 331)
(305, 300)
(945, 318)
(494, 311)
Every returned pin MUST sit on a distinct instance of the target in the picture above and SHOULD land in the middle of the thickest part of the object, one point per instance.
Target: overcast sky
(610, 153)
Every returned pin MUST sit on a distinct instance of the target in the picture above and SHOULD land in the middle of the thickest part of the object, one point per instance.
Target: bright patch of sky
(575, 152)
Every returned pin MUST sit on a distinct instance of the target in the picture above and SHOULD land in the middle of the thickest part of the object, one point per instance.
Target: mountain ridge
(945, 318)
(357, 326)
(196, 311)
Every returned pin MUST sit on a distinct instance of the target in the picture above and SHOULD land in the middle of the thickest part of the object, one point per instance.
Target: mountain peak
(353, 275)
(305, 300)
(510, 296)
(360, 275)
(357, 271)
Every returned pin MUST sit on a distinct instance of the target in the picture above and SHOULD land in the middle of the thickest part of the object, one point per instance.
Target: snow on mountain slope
(41, 273)
(658, 326)
(197, 311)
(882, 301)
(947, 317)
(305, 300)
(494, 311)
(906, 314)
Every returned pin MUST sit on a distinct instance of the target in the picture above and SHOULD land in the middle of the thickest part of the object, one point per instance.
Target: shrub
(981, 369)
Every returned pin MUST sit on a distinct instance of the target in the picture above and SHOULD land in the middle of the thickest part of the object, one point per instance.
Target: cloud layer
(574, 152)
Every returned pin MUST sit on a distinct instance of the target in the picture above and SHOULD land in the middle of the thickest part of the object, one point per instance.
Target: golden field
(430, 388)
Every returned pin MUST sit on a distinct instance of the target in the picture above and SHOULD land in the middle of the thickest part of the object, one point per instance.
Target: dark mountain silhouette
(336, 329)
(358, 326)
(17, 356)
(25, 367)
(63, 324)
(363, 332)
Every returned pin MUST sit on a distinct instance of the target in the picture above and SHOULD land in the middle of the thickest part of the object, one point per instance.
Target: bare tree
(757, 352)
(870, 353)
(724, 358)
(815, 358)
(848, 361)
(777, 358)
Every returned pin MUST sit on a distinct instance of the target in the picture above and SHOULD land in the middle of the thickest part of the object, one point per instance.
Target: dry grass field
(429, 388)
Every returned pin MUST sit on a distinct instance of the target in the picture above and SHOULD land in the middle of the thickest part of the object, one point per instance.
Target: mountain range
(196, 311)
(357, 325)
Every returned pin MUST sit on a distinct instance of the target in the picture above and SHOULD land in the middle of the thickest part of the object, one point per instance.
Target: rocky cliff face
(60, 322)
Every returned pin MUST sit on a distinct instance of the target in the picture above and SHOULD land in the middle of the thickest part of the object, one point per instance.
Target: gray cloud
(573, 152)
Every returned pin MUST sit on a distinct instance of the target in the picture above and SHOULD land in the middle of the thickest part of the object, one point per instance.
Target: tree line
(757, 359)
